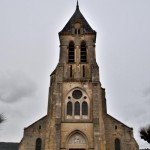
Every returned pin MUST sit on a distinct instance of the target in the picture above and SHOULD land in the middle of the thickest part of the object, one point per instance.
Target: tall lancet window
(71, 52)
(83, 52)
(69, 108)
(77, 108)
(117, 144)
(84, 108)
(38, 144)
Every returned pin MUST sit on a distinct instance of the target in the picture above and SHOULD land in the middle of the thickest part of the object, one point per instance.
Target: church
(77, 117)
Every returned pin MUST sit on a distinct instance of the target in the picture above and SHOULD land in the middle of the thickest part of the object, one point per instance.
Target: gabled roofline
(35, 122)
(120, 122)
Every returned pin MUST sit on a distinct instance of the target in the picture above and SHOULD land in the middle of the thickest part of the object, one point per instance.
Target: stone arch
(83, 42)
(77, 88)
(77, 140)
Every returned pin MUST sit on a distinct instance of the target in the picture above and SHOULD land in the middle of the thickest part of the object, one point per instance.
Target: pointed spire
(77, 17)
(77, 7)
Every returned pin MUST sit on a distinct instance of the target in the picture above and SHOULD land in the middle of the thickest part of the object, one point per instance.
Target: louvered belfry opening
(83, 53)
(71, 52)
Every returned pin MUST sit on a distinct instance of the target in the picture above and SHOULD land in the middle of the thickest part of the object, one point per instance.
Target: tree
(2, 119)
(145, 134)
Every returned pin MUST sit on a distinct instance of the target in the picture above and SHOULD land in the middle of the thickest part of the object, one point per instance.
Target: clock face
(77, 94)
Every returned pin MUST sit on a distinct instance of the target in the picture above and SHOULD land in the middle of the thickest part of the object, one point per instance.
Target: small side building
(9, 146)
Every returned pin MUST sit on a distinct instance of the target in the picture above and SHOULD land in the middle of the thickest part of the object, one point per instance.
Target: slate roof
(9, 146)
(77, 17)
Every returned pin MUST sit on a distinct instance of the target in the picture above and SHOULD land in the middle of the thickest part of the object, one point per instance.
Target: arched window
(117, 144)
(77, 108)
(84, 108)
(38, 144)
(83, 53)
(71, 52)
(77, 104)
(69, 108)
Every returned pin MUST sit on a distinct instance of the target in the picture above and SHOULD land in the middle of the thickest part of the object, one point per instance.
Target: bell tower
(75, 89)
(77, 49)
(77, 117)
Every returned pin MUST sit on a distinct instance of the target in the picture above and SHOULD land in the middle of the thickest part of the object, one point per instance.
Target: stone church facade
(77, 116)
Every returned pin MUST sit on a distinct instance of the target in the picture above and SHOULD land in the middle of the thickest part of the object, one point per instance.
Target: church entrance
(77, 142)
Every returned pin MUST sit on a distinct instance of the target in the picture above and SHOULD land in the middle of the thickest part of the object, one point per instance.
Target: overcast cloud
(15, 86)
(29, 51)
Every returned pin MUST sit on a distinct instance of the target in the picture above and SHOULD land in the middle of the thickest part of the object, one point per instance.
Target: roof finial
(77, 5)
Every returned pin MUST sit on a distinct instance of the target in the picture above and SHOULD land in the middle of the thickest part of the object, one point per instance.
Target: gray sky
(29, 50)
